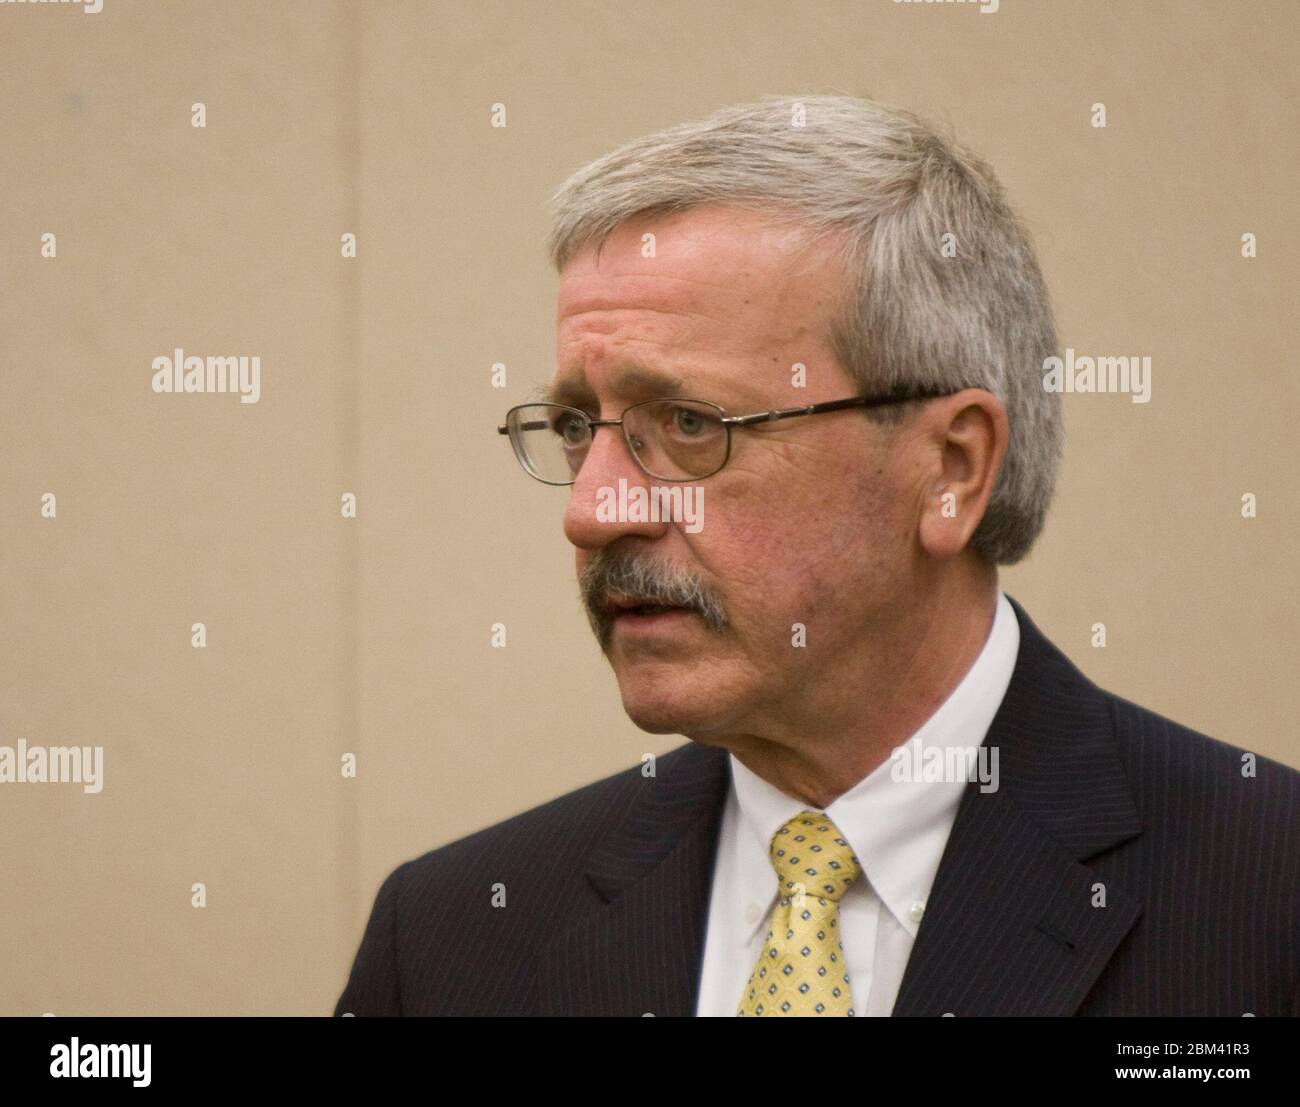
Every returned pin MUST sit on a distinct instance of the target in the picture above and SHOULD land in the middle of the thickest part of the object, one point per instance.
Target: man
(831, 632)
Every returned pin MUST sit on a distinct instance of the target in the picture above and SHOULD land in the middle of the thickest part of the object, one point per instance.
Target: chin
(665, 705)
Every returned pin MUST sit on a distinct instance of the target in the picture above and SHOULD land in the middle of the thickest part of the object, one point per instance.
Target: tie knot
(810, 855)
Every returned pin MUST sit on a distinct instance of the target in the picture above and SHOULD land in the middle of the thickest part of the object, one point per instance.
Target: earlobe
(943, 531)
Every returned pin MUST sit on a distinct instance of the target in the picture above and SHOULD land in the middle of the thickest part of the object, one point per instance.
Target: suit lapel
(1011, 927)
(637, 948)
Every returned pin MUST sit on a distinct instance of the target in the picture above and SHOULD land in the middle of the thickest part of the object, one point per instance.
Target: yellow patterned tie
(801, 970)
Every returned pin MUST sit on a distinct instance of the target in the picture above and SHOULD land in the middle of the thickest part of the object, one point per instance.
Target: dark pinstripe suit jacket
(607, 887)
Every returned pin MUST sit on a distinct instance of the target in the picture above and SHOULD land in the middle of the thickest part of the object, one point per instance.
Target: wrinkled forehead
(708, 301)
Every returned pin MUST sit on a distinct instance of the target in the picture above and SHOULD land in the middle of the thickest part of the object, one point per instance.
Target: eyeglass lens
(671, 439)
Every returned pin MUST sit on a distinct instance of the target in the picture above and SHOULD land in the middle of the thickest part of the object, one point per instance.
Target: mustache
(643, 580)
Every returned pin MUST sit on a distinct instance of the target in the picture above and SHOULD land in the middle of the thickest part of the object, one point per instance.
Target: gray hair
(887, 190)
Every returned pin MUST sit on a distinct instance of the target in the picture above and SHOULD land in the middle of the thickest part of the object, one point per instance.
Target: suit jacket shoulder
(1125, 865)
(1217, 868)
(456, 930)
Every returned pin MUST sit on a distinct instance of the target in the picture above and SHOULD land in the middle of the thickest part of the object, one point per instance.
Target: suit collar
(638, 947)
(1012, 925)
(1016, 923)
(1058, 756)
(689, 785)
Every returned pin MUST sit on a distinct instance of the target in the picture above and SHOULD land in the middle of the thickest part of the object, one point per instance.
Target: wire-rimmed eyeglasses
(670, 439)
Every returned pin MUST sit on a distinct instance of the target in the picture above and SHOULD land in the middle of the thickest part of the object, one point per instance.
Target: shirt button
(753, 913)
(918, 909)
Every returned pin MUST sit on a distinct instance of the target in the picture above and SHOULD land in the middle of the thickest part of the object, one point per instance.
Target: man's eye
(572, 429)
(690, 423)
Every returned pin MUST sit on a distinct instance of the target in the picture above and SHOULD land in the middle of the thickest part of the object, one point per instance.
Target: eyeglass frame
(727, 421)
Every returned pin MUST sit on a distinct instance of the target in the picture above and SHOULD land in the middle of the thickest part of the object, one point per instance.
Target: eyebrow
(629, 379)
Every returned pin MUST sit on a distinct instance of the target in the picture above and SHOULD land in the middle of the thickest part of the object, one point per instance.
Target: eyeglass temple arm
(830, 405)
(768, 416)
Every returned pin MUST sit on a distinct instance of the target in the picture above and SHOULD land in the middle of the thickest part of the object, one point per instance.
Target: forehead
(716, 287)
(711, 255)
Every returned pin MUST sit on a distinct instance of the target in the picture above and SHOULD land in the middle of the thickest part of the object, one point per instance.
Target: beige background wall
(328, 635)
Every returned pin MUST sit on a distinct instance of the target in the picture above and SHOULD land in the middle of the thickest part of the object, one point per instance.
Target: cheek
(779, 562)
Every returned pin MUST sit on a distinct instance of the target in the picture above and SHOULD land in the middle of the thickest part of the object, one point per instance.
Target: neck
(846, 727)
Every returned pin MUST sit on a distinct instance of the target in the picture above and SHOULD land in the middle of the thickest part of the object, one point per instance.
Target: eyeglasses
(670, 439)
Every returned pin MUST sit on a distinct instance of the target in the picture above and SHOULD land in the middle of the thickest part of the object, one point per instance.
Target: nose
(592, 517)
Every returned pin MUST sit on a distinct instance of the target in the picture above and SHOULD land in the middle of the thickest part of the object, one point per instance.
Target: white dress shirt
(897, 829)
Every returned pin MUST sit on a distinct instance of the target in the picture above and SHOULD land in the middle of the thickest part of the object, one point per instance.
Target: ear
(966, 435)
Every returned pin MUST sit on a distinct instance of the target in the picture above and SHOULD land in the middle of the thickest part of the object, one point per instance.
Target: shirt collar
(897, 828)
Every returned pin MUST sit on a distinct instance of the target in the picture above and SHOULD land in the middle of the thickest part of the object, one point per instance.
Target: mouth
(631, 612)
